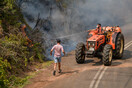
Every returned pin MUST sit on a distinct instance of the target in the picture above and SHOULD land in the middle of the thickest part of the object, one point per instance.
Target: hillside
(16, 56)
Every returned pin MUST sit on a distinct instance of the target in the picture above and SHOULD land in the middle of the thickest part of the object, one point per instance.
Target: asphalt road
(92, 74)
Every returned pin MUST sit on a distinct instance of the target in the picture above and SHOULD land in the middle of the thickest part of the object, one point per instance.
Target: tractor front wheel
(107, 55)
(119, 46)
(80, 53)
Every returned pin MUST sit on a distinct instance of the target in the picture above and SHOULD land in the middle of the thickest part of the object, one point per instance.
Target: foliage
(62, 4)
(15, 55)
(15, 81)
(4, 64)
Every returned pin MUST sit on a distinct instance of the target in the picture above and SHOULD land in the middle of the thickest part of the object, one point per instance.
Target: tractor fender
(113, 39)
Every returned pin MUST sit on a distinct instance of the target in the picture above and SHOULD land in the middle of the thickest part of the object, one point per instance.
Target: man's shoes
(60, 71)
(54, 73)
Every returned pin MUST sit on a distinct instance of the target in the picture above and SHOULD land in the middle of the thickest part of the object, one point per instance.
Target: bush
(15, 55)
(4, 64)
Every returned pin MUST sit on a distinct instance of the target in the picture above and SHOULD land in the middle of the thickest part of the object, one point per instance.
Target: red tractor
(109, 44)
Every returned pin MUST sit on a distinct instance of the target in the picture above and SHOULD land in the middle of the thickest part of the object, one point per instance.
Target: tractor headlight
(89, 44)
(93, 44)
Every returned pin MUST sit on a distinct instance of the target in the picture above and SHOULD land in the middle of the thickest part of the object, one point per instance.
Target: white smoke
(77, 16)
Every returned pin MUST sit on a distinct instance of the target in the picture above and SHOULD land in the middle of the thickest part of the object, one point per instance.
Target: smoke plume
(68, 19)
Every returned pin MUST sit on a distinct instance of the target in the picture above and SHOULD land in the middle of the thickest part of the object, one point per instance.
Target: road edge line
(95, 77)
(100, 77)
(102, 73)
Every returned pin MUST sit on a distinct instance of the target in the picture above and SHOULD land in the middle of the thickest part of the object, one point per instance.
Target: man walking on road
(58, 48)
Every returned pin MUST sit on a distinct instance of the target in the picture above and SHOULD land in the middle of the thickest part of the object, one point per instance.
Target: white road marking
(128, 43)
(128, 46)
(100, 77)
(93, 81)
(103, 71)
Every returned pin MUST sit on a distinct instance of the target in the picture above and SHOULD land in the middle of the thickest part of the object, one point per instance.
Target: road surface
(92, 74)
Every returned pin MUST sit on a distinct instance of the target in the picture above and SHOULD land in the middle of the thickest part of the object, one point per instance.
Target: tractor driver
(98, 28)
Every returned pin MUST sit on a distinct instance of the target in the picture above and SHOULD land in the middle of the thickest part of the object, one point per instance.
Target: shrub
(15, 55)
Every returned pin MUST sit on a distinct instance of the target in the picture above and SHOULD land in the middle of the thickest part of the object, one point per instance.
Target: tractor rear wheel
(80, 53)
(119, 46)
(107, 55)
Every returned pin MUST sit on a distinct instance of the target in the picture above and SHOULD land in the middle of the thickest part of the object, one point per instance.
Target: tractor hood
(95, 37)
